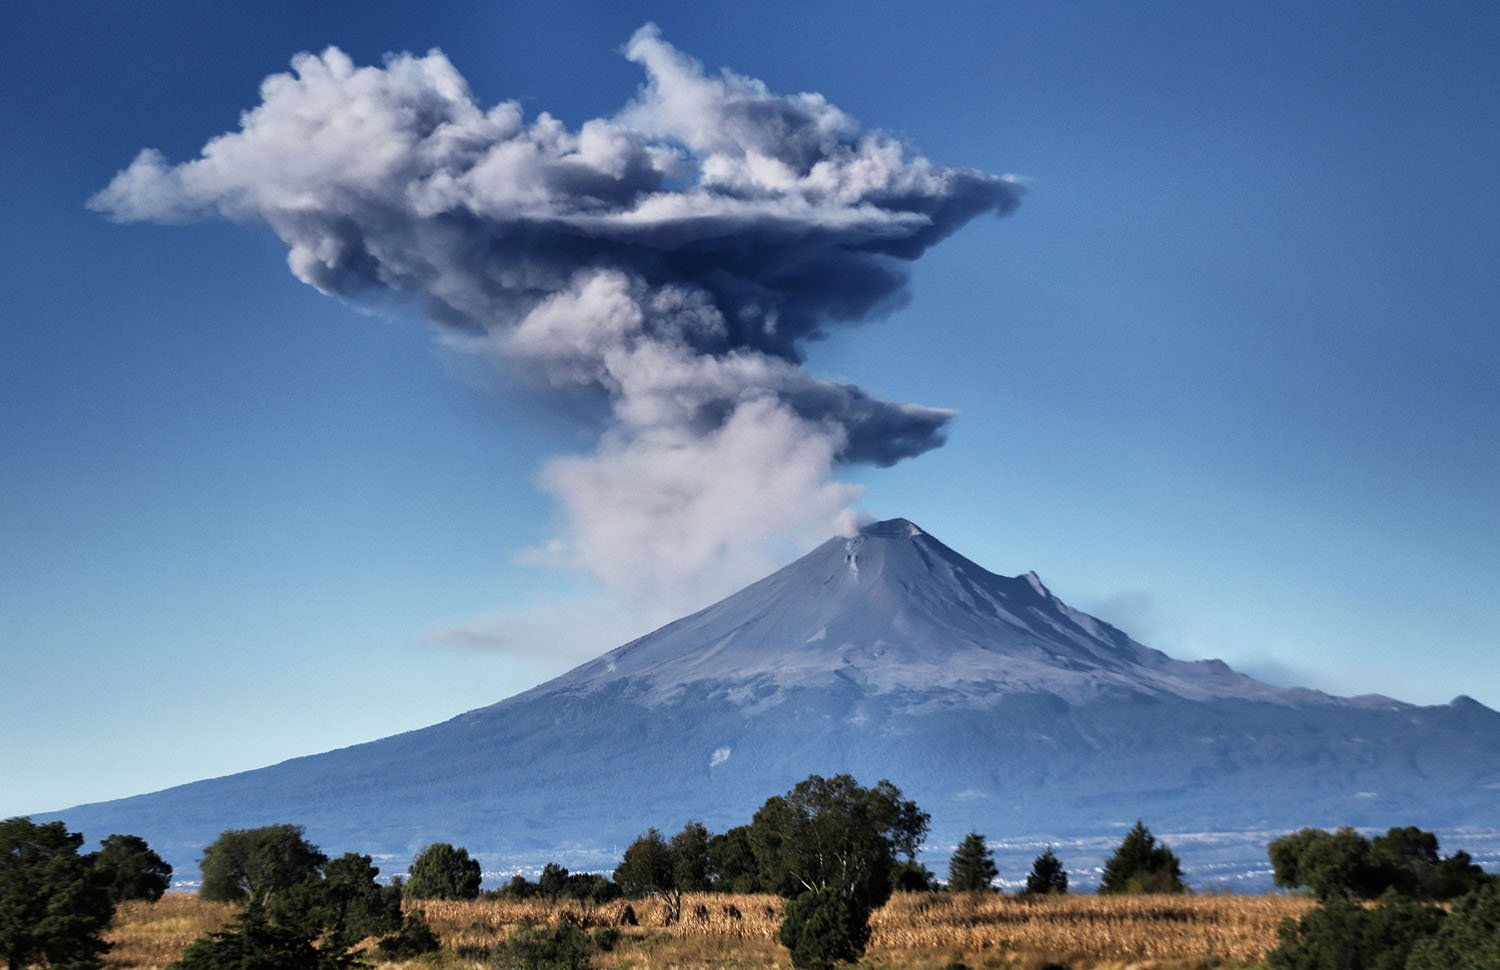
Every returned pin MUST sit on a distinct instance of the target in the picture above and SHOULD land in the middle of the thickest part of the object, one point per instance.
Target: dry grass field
(922, 932)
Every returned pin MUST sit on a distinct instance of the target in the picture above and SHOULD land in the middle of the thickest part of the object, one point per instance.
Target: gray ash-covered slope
(886, 655)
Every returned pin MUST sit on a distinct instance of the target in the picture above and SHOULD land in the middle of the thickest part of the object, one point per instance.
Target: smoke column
(671, 259)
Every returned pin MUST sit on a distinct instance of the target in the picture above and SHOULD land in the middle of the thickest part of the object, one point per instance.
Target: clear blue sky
(1229, 376)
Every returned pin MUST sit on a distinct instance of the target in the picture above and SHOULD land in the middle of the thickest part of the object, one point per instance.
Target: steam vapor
(672, 259)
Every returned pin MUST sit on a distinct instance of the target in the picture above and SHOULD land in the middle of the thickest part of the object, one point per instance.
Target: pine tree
(972, 867)
(1047, 874)
(1140, 865)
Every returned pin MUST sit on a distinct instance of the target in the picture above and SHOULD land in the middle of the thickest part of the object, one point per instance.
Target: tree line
(833, 849)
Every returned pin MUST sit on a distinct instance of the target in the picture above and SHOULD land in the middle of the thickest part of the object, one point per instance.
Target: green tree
(824, 927)
(252, 865)
(54, 907)
(553, 881)
(910, 876)
(731, 862)
(649, 868)
(441, 871)
(1333, 865)
(130, 870)
(833, 840)
(313, 925)
(1346, 865)
(1340, 935)
(1047, 875)
(1469, 938)
(690, 865)
(972, 867)
(1142, 865)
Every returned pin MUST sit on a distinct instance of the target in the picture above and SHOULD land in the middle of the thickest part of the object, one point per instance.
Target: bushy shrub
(413, 939)
(1344, 936)
(1469, 938)
(824, 927)
(561, 946)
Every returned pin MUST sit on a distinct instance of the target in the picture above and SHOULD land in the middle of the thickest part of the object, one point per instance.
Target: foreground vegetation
(915, 930)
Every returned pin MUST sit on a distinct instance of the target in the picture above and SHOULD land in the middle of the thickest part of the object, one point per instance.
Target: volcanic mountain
(887, 655)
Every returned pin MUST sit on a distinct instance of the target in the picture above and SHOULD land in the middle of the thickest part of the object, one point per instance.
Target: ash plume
(672, 259)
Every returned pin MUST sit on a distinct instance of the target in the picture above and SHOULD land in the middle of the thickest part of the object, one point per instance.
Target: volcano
(988, 700)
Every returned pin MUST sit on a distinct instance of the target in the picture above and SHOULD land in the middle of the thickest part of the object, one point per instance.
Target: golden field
(921, 931)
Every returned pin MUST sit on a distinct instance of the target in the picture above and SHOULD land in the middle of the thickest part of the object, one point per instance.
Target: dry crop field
(920, 931)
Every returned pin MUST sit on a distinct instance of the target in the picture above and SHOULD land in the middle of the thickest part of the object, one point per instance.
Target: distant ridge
(888, 655)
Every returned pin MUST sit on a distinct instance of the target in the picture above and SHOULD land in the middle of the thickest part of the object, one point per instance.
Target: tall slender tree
(972, 867)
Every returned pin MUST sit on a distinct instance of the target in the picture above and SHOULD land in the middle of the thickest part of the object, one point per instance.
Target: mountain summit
(994, 704)
(894, 610)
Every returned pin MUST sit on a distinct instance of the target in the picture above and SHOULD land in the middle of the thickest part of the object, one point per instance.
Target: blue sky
(1229, 376)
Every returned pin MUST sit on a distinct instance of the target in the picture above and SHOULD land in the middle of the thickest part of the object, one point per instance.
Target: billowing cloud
(672, 259)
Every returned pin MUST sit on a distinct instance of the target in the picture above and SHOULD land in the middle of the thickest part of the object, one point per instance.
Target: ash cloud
(672, 259)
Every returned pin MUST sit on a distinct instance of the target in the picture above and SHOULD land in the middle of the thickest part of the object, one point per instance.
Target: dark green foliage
(1047, 875)
(561, 946)
(130, 870)
(590, 887)
(1469, 938)
(1333, 865)
(1344, 936)
(831, 832)
(254, 864)
(690, 866)
(649, 868)
(442, 872)
(553, 881)
(53, 905)
(413, 939)
(972, 867)
(731, 862)
(824, 927)
(647, 865)
(830, 845)
(1346, 865)
(1141, 865)
(908, 876)
(252, 941)
(1455, 876)
(311, 925)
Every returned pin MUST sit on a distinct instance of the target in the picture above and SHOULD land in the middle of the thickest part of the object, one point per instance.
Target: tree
(553, 881)
(442, 872)
(313, 925)
(910, 876)
(1469, 938)
(1047, 875)
(824, 927)
(54, 907)
(252, 865)
(731, 862)
(1340, 935)
(1141, 865)
(972, 867)
(690, 858)
(130, 870)
(1346, 865)
(1334, 865)
(648, 868)
(830, 845)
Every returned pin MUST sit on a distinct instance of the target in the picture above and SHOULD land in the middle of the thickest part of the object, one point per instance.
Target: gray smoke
(672, 258)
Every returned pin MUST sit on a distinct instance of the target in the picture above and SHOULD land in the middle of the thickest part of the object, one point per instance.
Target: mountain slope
(986, 698)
